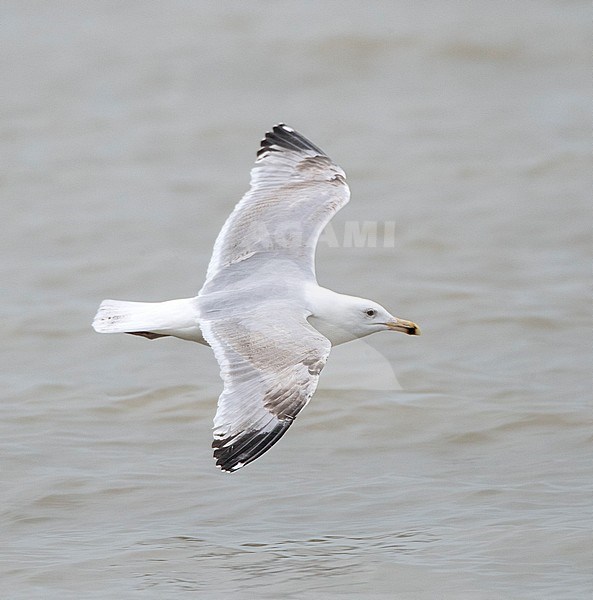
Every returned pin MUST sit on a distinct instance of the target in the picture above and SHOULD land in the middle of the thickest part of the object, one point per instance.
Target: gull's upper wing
(270, 360)
(295, 190)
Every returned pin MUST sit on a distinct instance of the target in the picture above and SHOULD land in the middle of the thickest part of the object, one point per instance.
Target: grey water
(455, 465)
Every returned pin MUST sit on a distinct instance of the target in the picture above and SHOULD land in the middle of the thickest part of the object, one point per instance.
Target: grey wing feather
(270, 370)
(295, 190)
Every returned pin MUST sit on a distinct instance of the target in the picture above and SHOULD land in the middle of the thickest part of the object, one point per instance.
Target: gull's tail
(177, 318)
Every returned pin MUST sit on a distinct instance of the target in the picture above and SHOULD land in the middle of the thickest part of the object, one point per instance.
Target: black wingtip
(247, 447)
(284, 137)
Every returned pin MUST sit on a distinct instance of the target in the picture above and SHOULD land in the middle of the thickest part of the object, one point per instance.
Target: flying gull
(269, 323)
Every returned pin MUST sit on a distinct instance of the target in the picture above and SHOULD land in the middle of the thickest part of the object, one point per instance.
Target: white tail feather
(178, 318)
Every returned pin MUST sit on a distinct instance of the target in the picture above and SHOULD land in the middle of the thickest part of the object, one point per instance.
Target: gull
(261, 310)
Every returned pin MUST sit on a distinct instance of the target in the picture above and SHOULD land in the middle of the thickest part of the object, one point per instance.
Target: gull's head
(372, 317)
(343, 318)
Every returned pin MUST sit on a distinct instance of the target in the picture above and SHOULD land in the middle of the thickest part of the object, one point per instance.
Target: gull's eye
(370, 312)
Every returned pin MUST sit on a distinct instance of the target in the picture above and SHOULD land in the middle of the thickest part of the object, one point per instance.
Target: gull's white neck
(331, 314)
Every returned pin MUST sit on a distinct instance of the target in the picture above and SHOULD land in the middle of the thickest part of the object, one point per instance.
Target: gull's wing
(270, 360)
(295, 190)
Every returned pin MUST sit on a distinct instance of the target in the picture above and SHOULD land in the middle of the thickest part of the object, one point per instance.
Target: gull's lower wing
(270, 360)
(295, 190)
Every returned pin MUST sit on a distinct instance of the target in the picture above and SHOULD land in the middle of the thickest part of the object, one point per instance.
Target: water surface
(455, 465)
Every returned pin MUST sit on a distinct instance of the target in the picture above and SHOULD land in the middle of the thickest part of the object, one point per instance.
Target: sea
(457, 465)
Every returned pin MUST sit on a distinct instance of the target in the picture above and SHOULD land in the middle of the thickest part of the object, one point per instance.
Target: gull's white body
(328, 314)
(269, 323)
